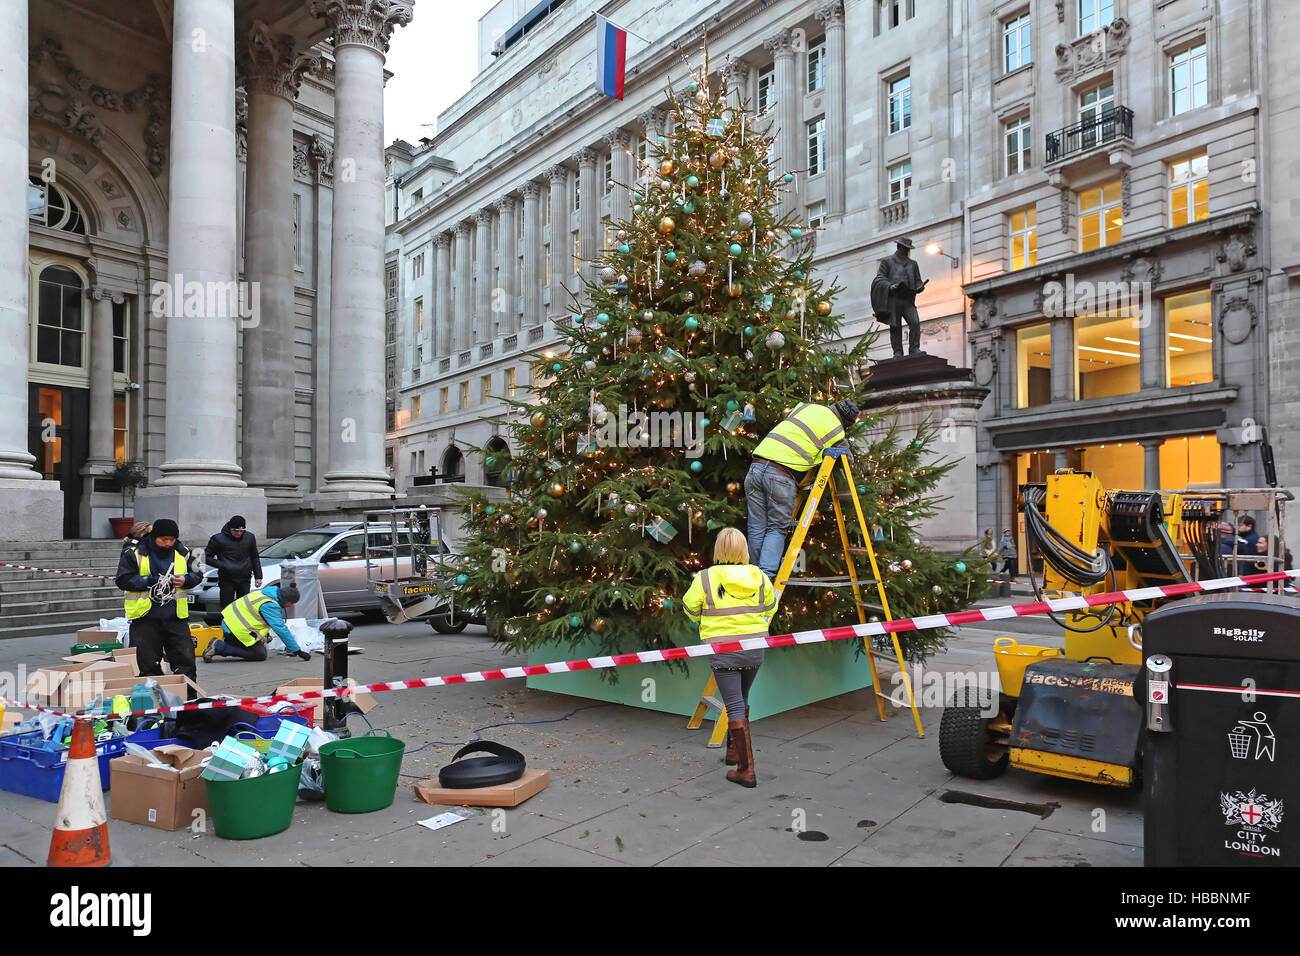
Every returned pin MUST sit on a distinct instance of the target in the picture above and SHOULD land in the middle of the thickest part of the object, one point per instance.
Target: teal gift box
(290, 741)
(661, 530)
(230, 761)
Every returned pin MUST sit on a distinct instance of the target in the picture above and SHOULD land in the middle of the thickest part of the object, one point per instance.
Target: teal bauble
(749, 330)
(862, 489)
(692, 322)
(732, 405)
(704, 423)
(574, 620)
(960, 567)
(798, 274)
(668, 603)
(637, 209)
(688, 207)
(670, 256)
(787, 178)
(602, 318)
(697, 467)
(795, 234)
(692, 181)
(489, 510)
(624, 249)
(660, 139)
(462, 579)
(736, 249)
(490, 460)
(575, 547)
(556, 367)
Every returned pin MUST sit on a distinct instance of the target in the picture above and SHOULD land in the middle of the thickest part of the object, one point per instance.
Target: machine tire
(446, 624)
(964, 745)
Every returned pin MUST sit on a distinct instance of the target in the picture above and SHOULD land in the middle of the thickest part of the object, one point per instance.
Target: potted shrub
(129, 476)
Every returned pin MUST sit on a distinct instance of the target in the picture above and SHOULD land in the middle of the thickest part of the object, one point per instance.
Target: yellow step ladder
(825, 478)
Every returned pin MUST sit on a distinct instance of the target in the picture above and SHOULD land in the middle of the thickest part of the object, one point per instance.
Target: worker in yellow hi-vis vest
(154, 576)
(796, 444)
(248, 623)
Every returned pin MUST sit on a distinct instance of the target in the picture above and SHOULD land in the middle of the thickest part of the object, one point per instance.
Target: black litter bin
(1221, 758)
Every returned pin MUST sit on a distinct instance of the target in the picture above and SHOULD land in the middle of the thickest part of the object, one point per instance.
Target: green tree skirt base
(790, 677)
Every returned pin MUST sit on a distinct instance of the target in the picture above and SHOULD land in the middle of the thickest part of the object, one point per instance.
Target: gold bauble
(717, 159)
(735, 290)
(823, 308)
(538, 420)
(667, 225)
(555, 489)
(701, 97)
(598, 625)
(666, 167)
(697, 519)
(733, 488)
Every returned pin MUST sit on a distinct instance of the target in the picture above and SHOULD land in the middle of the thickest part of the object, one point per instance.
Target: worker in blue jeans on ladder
(795, 445)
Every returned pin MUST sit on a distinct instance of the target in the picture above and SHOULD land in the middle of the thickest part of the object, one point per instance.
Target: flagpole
(624, 29)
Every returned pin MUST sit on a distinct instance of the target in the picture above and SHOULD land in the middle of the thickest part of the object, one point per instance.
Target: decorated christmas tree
(703, 329)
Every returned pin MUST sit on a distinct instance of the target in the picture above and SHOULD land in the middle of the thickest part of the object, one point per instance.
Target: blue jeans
(769, 496)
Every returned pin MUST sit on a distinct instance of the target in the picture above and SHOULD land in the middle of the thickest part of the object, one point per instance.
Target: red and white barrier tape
(75, 574)
(726, 647)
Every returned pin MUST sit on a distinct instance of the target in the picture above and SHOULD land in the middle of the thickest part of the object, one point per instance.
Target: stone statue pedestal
(925, 389)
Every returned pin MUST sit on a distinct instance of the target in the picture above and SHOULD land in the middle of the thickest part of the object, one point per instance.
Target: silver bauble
(608, 275)
(907, 565)
(549, 599)
(775, 340)
(629, 509)
(745, 220)
(542, 513)
(697, 268)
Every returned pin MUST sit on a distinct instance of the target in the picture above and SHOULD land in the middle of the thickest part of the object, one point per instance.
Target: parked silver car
(339, 549)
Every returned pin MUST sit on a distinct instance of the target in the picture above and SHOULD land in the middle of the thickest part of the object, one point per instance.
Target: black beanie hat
(847, 412)
(289, 594)
(236, 522)
(165, 528)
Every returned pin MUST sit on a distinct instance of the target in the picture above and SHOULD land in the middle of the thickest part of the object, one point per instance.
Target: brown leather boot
(733, 753)
(744, 773)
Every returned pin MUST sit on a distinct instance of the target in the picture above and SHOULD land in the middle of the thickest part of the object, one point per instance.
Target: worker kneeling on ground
(247, 624)
(733, 600)
(795, 445)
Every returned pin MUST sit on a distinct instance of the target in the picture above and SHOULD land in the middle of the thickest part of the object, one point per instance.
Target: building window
(893, 13)
(510, 383)
(817, 146)
(1034, 365)
(464, 394)
(415, 408)
(1107, 353)
(1191, 461)
(49, 205)
(419, 315)
(444, 400)
(1189, 339)
(816, 214)
(1188, 87)
(577, 193)
(1094, 105)
(546, 206)
(1024, 238)
(1095, 14)
(1017, 138)
(577, 252)
(900, 103)
(609, 173)
(900, 181)
(547, 256)
(484, 389)
(121, 338)
(60, 318)
(1101, 221)
(1016, 49)
(392, 283)
(121, 430)
(817, 64)
(609, 233)
(417, 266)
(1189, 190)
(643, 159)
(766, 88)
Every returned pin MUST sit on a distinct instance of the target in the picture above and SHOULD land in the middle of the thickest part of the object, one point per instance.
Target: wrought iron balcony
(1114, 124)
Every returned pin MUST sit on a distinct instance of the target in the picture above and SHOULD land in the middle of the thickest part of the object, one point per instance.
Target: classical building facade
(194, 278)
(1111, 248)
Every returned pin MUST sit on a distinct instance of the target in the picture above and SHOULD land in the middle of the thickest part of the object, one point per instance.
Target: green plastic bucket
(360, 773)
(255, 807)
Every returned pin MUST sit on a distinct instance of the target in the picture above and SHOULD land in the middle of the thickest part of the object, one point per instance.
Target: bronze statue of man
(893, 297)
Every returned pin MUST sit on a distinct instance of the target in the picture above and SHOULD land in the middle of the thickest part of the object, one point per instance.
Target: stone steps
(34, 603)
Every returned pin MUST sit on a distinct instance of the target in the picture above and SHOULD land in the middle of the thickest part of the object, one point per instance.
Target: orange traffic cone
(81, 826)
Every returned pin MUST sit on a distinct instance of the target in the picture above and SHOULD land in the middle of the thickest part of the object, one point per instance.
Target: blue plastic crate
(30, 769)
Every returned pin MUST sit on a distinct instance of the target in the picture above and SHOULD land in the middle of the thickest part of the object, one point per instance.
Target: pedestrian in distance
(233, 552)
(795, 445)
(729, 601)
(154, 575)
(248, 623)
(1007, 552)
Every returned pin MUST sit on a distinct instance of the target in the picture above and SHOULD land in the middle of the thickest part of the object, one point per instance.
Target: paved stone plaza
(633, 787)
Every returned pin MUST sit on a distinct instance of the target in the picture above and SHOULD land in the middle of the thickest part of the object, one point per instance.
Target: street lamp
(934, 249)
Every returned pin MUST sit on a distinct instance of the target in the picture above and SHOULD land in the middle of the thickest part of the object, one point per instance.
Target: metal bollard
(336, 675)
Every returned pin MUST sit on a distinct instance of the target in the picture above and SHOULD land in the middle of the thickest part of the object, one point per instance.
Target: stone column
(508, 250)
(653, 121)
(483, 288)
(101, 459)
(272, 68)
(1063, 370)
(786, 114)
(1151, 463)
(361, 30)
(532, 288)
(832, 17)
(588, 212)
(444, 319)
(737, 74)
(461, 317)
(559, 176)
(620, 153)
(201, 484)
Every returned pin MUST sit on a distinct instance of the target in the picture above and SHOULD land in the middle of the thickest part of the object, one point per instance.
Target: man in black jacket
(155, 574)
(233, 552)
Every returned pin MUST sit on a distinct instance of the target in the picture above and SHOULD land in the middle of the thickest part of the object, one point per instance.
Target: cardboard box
(73, 686)
(176, 683)
(297, 686)
(122, 655)
(157, 797)
(93, 635)
(504, 795)
(10, 719)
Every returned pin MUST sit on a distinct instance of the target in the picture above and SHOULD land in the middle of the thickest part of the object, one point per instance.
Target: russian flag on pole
(611, 57)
